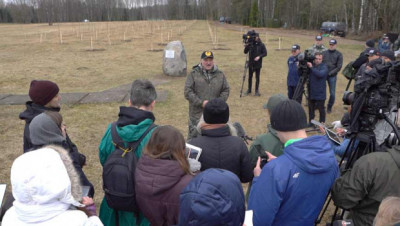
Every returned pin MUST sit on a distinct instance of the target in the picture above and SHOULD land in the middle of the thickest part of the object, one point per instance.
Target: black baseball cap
(332, 42)
(207, 54)
(295, 47)
(372, 52)
(318, 38)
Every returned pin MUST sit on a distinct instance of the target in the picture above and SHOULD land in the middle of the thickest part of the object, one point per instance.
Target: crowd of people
(149, 177)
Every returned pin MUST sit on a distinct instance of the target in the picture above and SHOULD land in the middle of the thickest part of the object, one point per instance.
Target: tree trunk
(361, 15)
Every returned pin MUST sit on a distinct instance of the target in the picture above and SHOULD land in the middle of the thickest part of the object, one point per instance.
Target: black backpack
(119, 173)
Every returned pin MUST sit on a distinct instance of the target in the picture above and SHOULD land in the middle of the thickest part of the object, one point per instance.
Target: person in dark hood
(214, 197)
(48, 129)
(161, 174)
(132, 122)
(219, 148)
(291, 189)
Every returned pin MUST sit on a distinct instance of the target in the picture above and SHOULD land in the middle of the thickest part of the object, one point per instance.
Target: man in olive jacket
(204, 83)
(361, 190)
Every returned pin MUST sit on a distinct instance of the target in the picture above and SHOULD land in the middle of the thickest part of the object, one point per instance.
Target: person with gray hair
(132, 122)
(389, 212)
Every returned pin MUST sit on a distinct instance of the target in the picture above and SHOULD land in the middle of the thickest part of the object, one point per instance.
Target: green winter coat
(200, 86)
(264, 142)
(128, 133)
(372, 178)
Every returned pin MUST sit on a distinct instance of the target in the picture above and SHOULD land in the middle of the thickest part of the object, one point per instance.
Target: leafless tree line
(359, 15)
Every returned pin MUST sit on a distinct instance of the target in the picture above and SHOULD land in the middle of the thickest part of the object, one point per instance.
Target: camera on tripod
(250, 37)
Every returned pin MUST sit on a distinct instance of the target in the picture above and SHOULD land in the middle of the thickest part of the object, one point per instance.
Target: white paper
(2, 191)
(169, 54)
(248, 218)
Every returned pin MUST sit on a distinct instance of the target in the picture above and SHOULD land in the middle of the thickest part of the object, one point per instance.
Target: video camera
(376, 93)
(250, 37)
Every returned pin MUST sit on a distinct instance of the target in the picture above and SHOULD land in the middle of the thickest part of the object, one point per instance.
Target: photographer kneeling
(318, 76)
(256, 49)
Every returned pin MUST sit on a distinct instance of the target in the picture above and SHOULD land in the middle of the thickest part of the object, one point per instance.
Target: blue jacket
(318, 76)
(292, 188)
(213, 197)
(293, 74)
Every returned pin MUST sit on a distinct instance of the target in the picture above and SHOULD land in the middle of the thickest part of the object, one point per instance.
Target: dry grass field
(98, 56)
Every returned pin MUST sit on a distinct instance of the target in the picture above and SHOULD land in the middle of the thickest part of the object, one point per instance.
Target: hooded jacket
(44, 131)
(292, 188)
(373, 177)
(213, 198)
(221, 150)
(45, 185)
(32, 110)
(158, 183)
(131, 124)
(257, 50)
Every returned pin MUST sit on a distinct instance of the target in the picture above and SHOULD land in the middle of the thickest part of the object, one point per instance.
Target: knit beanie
(288, 115)
(216, 111)
(42, 92)
(370, 43)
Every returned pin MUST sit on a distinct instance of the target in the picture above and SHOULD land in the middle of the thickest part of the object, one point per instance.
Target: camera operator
(317, 78)
(372, 55)
(387, 56)
(369, 45)
(334, 61)
(293, 72)
(256, 49)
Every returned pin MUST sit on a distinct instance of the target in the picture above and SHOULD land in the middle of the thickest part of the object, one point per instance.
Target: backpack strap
(132, 146)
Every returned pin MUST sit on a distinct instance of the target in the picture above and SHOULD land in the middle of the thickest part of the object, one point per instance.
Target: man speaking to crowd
(204, 83)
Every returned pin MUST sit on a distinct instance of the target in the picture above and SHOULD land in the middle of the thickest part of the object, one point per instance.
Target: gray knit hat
(288, 115)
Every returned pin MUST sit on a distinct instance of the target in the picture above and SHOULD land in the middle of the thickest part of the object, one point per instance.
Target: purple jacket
(158, 183)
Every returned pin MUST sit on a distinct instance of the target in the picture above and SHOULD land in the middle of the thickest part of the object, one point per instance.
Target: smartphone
(85, 191)
(2, 193)
(193, 152)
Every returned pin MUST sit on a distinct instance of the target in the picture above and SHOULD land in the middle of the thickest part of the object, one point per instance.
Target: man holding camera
(318, 75)
(334, 61)
(256, 49)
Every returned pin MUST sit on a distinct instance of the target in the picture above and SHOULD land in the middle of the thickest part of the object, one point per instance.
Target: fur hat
(42, 92)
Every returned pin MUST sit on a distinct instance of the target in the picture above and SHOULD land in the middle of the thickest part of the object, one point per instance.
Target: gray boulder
(174, 59)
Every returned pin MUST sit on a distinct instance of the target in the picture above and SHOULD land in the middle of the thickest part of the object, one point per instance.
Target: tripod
(366, 144)
(300, 85)
(246, 66)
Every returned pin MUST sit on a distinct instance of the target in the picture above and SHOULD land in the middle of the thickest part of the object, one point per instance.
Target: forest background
(360, 16)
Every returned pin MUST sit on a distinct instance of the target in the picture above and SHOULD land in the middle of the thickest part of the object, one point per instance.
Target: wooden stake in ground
(91, 43)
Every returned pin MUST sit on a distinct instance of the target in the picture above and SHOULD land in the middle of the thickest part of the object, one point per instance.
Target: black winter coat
(361, 59)
(221, 150)
(258, 49)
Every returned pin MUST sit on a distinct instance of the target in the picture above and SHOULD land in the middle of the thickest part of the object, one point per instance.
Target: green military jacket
(372, 178)
(201, 85)
(316, 49)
